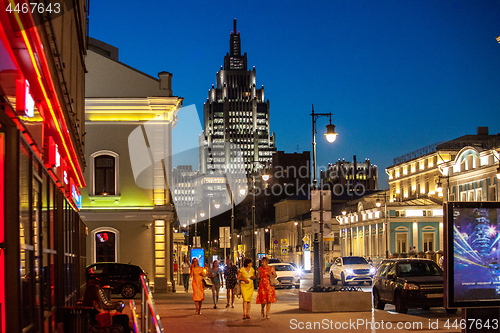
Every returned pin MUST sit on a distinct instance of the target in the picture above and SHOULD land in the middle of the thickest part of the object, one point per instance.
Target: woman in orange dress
(266, 293)
(197, 274)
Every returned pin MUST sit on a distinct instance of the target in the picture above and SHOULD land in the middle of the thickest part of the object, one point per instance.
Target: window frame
(93, 156)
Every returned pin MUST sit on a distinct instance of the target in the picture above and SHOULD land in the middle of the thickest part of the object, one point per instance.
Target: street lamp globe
(217, 206)
(243, 191)
(378, 203)
(330, 135)
(202, 214)
(265, 177)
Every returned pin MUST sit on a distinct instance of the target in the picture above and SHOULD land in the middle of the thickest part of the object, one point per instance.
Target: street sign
(275, 242)
(284, 251)
(196, 241)
(327, 216)
(224, 233)
(315, 200)
(284, 242)
(305, 239)
(306, 246)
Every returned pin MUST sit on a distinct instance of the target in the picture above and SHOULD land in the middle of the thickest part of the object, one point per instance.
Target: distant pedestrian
(185, 273)
(230, 272)
(266, 293)
(215, 274)
(197, 273)
(246, 275)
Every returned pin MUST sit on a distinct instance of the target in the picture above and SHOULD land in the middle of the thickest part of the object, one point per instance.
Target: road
(292, 295)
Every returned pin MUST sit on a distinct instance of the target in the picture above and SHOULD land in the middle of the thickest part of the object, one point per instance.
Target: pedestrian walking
(230, 272)
(266, 293)
(246, 275)
(185, 266)
(215, 274)
(197, 273)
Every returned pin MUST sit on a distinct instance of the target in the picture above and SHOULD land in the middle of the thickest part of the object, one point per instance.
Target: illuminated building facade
(235, 112)
(42, 237)
(340, 176)
(128, 221)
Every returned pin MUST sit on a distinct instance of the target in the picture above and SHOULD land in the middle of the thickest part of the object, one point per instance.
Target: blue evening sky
(397, 75)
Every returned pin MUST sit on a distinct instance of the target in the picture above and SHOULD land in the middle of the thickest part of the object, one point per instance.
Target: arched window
(104, 166)
(105, 250)
(105, 244)
(104, 170)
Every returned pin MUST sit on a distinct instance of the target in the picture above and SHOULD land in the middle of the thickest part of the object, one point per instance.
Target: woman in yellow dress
(197, 273)
(246, 275)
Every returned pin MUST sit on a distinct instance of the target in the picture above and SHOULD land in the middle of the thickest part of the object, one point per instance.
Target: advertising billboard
(199, 254)
(472, 254)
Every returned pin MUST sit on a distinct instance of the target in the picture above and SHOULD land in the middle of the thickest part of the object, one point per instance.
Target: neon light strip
(2, 228)
(154, 315)
(134, 315)
(47, 99)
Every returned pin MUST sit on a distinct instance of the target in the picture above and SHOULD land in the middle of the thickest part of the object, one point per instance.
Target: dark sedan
(408, 283)
(122, 278)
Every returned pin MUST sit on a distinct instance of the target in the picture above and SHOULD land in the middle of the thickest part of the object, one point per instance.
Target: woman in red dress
(266, 293)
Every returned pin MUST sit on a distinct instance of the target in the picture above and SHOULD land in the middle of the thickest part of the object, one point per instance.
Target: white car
(288, 276)
(351, 269)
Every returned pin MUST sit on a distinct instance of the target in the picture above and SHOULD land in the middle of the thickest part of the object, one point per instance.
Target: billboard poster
(473, 252)
(198, 253)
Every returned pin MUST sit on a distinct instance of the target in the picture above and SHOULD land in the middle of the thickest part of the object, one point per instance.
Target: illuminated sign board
(472, 254)
(25, 105)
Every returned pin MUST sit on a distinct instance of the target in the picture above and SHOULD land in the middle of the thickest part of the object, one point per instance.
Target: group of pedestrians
(232, 276)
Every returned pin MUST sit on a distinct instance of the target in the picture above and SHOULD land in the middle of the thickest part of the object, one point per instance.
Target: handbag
(237, 290)
(207, 282)
(273, 281)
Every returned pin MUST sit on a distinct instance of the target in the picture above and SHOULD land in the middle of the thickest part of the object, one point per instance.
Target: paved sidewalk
(176, 311)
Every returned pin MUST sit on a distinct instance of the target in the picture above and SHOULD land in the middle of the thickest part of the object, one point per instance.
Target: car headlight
(410, 286)
(349, 271)
(373, 270)
(299, 272)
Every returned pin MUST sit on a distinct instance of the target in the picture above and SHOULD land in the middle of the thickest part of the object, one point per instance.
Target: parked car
(274, 261)
(408, 283)
(124, 279)
(288, 276)
(351, 269)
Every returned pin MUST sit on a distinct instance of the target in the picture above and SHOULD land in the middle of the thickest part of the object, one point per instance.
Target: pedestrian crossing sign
(284, 251)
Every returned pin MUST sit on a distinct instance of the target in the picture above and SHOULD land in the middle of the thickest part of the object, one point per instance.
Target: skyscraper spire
(234, 60)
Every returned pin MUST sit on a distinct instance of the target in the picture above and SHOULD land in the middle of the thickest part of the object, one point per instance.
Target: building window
(401, 242)
(105, 246)
(428, 241)
(105, 243)
(104, 173)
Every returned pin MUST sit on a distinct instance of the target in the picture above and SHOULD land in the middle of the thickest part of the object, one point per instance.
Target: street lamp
(331, 136)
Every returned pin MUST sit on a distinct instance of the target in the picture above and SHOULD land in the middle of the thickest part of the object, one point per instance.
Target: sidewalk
(176, 311)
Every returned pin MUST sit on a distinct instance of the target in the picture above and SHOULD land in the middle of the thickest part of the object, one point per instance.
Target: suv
(408, 283)
(122, 278)
(288, 276)
(351, 269)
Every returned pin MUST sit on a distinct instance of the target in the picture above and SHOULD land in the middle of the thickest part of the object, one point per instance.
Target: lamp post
(331, 136)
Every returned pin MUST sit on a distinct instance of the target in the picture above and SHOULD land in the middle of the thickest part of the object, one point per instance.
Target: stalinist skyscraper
(235, 112)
